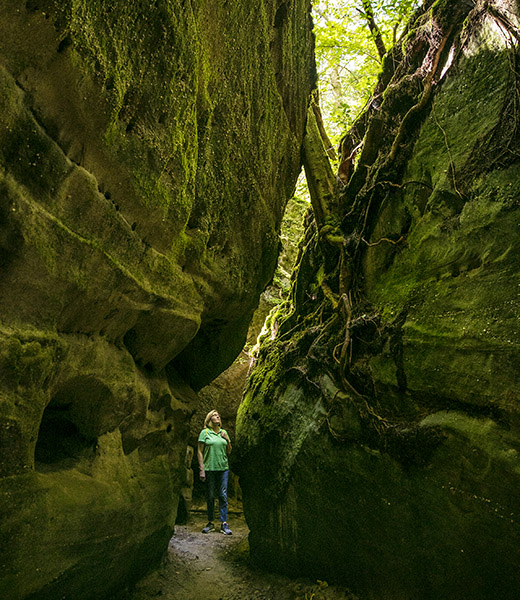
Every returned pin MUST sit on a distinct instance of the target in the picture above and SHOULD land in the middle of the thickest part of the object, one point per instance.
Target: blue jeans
(216, 484)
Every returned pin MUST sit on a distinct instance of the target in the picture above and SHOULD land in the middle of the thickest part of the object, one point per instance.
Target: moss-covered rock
(147, 151)
(394, 375)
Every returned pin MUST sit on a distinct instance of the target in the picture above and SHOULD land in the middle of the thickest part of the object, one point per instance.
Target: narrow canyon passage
(217, 567)
(149, 156)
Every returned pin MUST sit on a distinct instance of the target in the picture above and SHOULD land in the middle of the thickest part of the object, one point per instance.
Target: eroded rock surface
(394, 372)
(226, 391)
(147, 150)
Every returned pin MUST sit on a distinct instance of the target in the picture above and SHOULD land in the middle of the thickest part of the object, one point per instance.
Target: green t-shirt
(214, 453)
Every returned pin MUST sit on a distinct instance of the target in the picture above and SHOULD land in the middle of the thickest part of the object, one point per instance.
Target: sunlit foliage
(347, 55)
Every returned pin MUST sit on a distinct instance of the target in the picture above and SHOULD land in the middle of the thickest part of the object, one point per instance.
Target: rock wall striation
(147, 151)
(383, 418)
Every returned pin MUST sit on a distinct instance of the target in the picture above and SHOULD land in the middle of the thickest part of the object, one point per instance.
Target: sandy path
(215, 567)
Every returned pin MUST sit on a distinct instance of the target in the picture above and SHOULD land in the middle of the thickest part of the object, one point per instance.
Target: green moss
(148, 230)
(26, 361)
(433, 331)
(448, 236)
(123, 48)
(26, 151)
(482, 433)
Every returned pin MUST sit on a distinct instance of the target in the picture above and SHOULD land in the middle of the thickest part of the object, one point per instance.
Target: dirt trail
(216, 567)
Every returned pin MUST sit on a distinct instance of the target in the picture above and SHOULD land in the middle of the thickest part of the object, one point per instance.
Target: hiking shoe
(209, 527)
(224, 528)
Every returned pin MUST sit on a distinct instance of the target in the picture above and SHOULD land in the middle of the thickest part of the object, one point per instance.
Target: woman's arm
(202, 472)
(226, 437)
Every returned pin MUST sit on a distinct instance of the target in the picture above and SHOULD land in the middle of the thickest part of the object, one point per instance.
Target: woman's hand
(202, 475)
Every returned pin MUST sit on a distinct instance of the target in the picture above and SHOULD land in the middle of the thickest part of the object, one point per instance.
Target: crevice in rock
(60, 443)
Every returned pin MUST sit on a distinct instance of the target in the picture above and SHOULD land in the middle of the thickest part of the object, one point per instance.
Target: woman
(212, 451)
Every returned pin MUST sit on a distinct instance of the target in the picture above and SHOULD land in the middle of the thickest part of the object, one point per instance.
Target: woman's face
(215, 419)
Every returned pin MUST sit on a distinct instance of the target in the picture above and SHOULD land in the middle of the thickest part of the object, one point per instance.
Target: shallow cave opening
(60, 442)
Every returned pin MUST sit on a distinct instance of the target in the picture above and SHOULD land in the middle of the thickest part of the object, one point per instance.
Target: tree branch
(374, 29)
(318, 171)
(315, 104)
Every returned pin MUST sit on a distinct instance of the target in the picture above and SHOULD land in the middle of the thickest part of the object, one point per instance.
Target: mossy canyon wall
(382, 419)
(147, 152)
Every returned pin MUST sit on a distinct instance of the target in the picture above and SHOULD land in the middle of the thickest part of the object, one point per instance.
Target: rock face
(147, 152)
(226, 391)
(394, 372)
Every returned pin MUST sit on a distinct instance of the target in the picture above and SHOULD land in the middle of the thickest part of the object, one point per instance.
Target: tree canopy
(351, 40)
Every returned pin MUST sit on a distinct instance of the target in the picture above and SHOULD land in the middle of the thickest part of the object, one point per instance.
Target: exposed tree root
(346, 208)
(429, 82)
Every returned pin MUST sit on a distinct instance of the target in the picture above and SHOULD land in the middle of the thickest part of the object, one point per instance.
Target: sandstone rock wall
(147, 150)
(383, 420)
